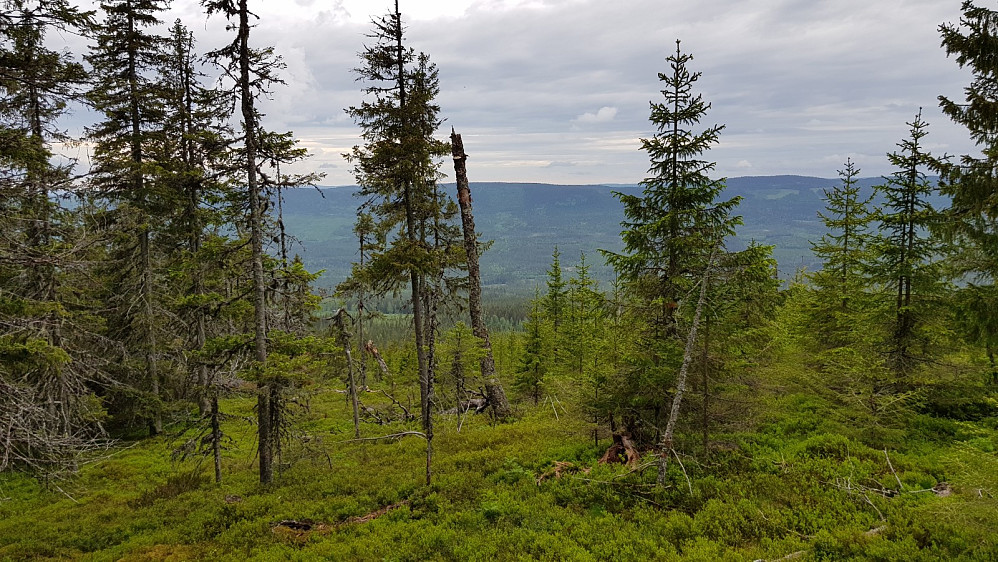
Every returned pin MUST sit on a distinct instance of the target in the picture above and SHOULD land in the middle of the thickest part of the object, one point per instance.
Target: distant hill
(527, 220)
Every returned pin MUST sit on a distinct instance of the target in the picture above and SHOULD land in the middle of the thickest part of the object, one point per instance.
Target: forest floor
(800, 485)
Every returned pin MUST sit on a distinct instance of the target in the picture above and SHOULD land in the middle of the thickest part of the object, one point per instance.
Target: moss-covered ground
(799, 484)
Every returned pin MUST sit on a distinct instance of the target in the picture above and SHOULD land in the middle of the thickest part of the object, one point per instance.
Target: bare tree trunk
(343, 338)
(665, 446)
(353, 392)
(426, 414)
(264, 405)
(277, 429)
(283, 236)
(200, 337)
(360, 319)
(705, 383)
(156, 423)
(216, 439)
(360, 336)
(498, 403)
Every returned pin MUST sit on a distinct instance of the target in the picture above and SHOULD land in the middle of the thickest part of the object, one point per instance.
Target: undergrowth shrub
(730, 524)
(501, 507)
(176, 484)
(825, 446)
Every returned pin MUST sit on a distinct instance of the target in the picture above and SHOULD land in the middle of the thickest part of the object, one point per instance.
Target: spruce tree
(670, 232)
(127, 59)
(842, 281)
(906, 255)
(49, 346)
(202, 252)
(972, 183)
(742, 297)
(462, 352)
(585, 348)
(397, 169)
(535, 362)
(370, 240)
(554, 299)
(252, 72)
(972, 218)
(670, 229)
(193, 129)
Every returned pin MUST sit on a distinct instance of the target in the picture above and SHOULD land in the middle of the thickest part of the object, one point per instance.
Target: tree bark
(705, 382)
(353, 392)
(360, 324)
(498, 404)
(417, 281)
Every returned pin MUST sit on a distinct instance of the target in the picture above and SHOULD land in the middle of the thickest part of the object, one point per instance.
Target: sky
(558, 91)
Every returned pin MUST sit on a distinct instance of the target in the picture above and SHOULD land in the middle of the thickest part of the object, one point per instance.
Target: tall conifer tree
(554, 299)
(252, 72)
(906, 254)
(127, 59)
(973, 181)
(671, 230)
(397, 169)
(48, 366)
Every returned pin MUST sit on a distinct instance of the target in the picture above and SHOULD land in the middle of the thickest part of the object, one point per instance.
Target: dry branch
(891, 466)
(389, 437)
(369, 347)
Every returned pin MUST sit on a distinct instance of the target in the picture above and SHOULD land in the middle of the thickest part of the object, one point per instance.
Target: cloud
(793, 81)
(604, 115)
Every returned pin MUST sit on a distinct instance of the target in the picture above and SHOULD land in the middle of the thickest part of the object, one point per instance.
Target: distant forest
(764, 368)
(525, 222)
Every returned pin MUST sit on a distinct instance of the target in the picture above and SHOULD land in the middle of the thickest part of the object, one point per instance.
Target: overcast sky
(557, 90)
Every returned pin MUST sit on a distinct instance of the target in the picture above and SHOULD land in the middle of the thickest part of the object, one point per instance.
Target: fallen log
(475, 405)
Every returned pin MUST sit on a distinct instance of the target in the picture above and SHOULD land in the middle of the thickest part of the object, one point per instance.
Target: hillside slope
(526, 221)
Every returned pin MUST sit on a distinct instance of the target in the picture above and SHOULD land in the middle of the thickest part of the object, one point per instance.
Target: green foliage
(537, 353)
(671, 228)
(554, 299)
(906, 255)
(810, 430)
(971, 182)
(398, 166)
(673, 233)
(774, 493)
(459, 352)
(841, 285)
(49, 333)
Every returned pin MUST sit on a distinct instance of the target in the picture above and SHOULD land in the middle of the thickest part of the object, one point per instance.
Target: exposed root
(622, 451)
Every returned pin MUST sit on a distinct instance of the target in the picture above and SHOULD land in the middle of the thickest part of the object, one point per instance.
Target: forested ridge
(175, 384)
(523, 221)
